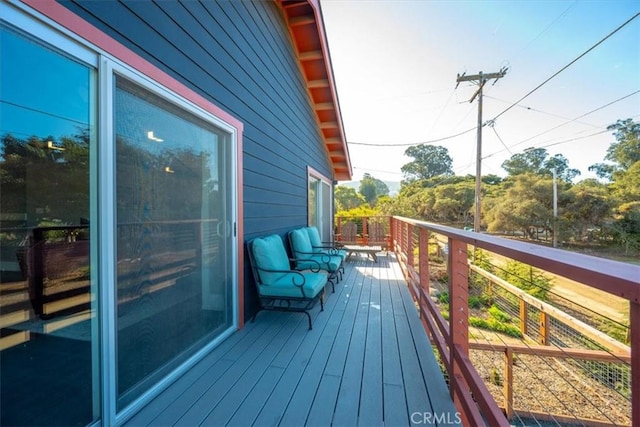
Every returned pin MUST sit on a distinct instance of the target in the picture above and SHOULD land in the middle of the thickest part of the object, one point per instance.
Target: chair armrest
(324, 257)
(295, 273)
(316, 264)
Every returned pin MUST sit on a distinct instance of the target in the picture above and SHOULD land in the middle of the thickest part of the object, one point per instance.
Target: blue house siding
(239, 55)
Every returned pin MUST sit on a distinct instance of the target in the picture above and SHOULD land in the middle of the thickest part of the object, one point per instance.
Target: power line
(547, 28)
(373, 144)
(571, 120)
(46, 113)
(557, 116)
(568, 65)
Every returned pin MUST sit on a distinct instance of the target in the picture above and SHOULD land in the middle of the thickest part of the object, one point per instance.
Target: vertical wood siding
(239, 55)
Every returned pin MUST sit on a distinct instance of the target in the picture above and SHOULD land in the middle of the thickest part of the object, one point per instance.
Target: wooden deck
(366, 362)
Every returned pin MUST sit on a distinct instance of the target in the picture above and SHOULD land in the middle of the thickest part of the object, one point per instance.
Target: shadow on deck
(367, 361)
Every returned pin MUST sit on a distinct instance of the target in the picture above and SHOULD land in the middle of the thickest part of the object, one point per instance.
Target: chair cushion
(284, 286)
(300, 243)
(269, 253)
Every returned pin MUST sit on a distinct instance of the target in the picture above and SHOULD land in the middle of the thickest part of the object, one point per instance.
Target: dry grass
(553, 386)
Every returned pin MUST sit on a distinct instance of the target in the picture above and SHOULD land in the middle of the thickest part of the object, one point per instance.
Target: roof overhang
(306, 26)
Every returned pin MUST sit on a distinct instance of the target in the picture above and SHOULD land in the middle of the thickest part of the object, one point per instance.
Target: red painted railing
(409, 239)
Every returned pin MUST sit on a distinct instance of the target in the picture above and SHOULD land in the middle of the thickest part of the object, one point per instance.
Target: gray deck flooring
(366, 362)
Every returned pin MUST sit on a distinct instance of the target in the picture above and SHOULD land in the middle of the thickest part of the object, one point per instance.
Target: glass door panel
(49, 352)
(174, 236)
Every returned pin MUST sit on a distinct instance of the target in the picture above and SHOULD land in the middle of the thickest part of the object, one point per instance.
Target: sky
(396, 64)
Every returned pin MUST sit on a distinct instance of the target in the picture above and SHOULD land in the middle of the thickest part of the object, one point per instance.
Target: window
(320, 204)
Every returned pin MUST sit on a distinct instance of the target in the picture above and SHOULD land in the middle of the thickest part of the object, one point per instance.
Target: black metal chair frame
(300, 304)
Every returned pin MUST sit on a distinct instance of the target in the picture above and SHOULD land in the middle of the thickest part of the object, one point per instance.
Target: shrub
(499, 315)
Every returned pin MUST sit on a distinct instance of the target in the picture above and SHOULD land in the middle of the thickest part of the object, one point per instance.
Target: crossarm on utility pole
(481, 80)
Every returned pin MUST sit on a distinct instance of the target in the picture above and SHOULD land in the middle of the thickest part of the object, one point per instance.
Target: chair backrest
(349, 233)
(377, 234)
(300, 243)
(314, 236)
(268, 253)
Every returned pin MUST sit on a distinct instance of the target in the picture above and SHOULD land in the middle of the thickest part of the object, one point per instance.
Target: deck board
(367, 361)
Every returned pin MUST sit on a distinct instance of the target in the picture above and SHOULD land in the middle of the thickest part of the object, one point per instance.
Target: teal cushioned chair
(324, 247)
(279, 287)
(307, 258)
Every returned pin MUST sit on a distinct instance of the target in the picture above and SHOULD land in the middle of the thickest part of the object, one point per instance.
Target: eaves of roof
(304, 19)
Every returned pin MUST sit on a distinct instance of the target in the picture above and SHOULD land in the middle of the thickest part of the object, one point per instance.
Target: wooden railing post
(634, 332)
(508, 382)
(524, 315)
(410, 260)
(458, 312)
(423, 260)
(365, 234)
(544, 328)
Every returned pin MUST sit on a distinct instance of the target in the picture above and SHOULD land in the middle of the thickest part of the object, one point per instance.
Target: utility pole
(555, 209)
(481, 79)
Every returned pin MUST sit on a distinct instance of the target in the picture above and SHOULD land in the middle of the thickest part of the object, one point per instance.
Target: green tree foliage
(626, 186)
(45, 182)
(626, 228)
(526, 205)
(626, 150)
(371, 189)
(347, 198)
(623, 153)
(537, 161)
(428, 161)
(588, 206)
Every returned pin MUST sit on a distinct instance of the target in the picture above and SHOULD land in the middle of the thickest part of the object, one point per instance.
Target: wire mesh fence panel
(555, 390)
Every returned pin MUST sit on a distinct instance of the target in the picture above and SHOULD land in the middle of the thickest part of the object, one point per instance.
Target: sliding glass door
(117, 230)
(49, 342)
(320, 204)
(174, 236)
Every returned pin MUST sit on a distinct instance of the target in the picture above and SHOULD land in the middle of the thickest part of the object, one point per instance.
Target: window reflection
(173, 237)
(48, 340)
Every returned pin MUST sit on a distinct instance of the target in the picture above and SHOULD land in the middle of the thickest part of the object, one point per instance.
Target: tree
(626, 150)
(526, 205)
(537, 161)
(372, 188)
(623, 153)
(588, 207)
(626, 228)
(347, 198)
(626, 186)
(428, 161)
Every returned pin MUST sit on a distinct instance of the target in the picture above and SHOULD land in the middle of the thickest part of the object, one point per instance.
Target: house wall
(238, 55)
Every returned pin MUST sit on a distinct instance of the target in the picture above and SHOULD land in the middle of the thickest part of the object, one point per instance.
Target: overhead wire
(567, 122)
(568, 65)
(410, 144)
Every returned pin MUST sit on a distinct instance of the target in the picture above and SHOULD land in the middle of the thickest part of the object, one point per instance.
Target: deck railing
(410, 240)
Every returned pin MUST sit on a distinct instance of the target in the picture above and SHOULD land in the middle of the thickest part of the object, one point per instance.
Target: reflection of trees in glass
(46, 177)
(165, 186)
